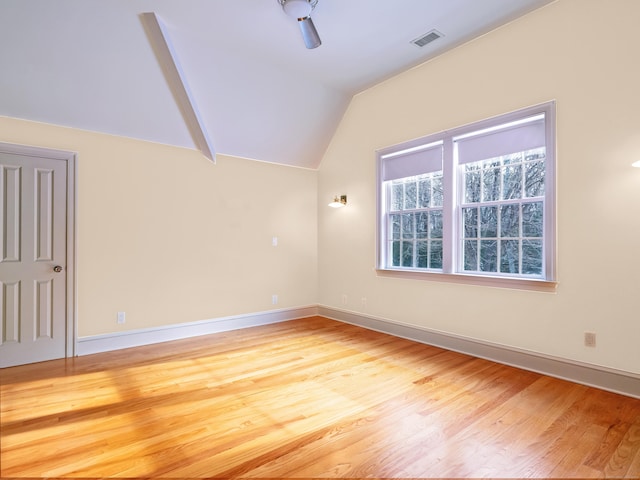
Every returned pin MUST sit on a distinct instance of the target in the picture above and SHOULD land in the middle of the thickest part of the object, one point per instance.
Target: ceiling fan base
(301, 10)
(297, 8)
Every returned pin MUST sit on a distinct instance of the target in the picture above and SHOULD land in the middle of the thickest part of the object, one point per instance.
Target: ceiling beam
(161, 43)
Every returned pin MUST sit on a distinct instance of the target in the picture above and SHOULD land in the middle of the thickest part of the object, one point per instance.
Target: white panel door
(33, 250)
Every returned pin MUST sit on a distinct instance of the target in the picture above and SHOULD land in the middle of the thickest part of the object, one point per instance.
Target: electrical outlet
(274, 299)
(122, 317)
(363, 301)
(589, 339)
(344, 299)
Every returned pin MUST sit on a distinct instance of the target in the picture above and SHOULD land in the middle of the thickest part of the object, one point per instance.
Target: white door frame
(71, 298)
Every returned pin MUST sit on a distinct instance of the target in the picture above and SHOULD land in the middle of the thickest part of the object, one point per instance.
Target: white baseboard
(147, 336)
(618, 381)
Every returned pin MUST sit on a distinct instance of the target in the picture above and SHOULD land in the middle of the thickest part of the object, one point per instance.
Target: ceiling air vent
(427, 38)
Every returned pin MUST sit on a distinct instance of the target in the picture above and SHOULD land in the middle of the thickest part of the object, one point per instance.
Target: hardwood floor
(307, 398)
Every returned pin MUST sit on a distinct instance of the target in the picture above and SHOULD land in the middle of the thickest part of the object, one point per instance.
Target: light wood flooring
(307, 398)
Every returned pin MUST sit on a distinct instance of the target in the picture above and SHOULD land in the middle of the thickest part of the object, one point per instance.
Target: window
(474, 202)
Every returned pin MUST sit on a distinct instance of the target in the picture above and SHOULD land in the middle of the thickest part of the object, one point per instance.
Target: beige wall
(582, 53)
(168, 237)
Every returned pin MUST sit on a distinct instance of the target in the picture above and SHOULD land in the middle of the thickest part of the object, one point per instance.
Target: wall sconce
(339, 201)
(636, 164)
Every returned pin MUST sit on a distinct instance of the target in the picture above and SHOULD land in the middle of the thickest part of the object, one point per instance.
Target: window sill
(466, 279)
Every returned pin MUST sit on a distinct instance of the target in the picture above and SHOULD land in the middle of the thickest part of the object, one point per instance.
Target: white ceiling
(89, 64)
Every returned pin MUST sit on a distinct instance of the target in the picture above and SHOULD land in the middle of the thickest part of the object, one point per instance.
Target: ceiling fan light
(309, 33)
(297, 8)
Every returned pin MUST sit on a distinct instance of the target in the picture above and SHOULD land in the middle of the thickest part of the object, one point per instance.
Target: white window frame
(452, 186)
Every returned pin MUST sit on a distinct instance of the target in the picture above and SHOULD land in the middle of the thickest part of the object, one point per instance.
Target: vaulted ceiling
(90, 64)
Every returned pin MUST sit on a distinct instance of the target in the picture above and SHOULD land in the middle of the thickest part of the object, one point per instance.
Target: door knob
(57, 269)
